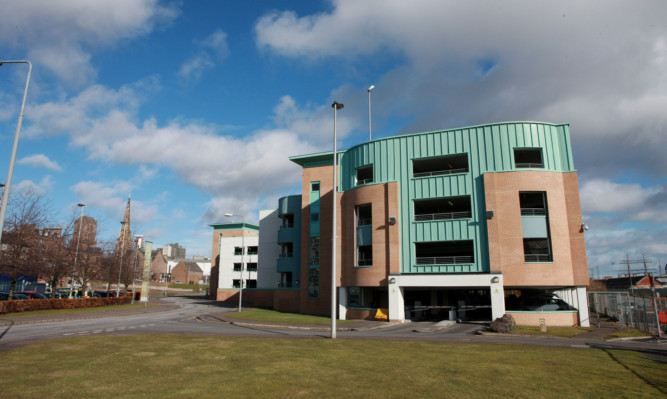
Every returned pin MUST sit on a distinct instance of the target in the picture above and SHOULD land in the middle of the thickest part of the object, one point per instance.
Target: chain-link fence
(644, 310)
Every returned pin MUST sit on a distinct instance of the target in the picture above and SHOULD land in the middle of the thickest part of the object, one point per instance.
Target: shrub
(503, 324)
(28, 305)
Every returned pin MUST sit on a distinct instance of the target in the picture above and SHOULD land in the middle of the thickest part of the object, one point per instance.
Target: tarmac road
(196, 315)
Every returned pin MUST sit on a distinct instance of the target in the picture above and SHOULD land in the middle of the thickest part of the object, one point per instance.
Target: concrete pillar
(342, 303)
(497, 297)
(396, 303)
(582, 300)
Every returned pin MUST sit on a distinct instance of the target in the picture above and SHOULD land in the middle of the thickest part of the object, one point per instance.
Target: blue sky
(194, 106)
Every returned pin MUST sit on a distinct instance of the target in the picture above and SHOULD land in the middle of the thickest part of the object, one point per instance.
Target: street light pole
(120, 269)
(17, 135)
(336, 106)
(369, 111)
(76, 254)
(243, 250)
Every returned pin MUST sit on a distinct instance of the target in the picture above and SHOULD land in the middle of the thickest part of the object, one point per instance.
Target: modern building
(234, 258)
(467, 223)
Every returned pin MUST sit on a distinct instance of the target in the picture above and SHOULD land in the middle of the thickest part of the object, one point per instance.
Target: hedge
(28, 305)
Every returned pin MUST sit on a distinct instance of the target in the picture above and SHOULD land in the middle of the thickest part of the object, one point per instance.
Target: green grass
(270, 315)
(626, 333)
(178, 366)
(194, 287)
(73, 311)
(562, 332)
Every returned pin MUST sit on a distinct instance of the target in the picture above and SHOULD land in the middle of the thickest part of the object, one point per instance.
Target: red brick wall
(384, 204)
(569, 266)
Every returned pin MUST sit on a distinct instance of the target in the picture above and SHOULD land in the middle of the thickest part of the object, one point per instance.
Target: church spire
(125, 234)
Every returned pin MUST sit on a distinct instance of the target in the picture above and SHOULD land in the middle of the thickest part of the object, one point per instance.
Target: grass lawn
(179, 366)
(626, 333)
(563, 332)
(270, 315)
(73, 311)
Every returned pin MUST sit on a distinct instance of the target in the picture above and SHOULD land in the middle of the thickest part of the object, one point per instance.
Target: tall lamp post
(369, 111)
(229, 215)
(120, 269)
(17, 135)
(336, 106)
(76, 254)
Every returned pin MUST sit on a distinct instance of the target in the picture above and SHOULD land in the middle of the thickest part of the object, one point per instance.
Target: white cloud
(39, 161)
(214, 46)
(604, 196)
(61, 35)
(601, 69)
(41, 188)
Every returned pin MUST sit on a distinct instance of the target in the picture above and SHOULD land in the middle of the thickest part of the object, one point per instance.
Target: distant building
(235, 250)
(187, 272)
(173, 251)
(87, 227)
(159, 267)
(124, 242)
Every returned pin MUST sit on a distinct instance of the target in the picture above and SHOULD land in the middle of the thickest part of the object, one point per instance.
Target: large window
(365, 175)
(444, 252)
(528, 158)
(365, 255)
(287, 221)
(444, 208)
(442, 165)
(253, 250)
(364, 215)
(535, 226)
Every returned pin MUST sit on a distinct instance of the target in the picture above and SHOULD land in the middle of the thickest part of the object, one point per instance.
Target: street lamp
(76, 254)
(369, 111)
(336, 106)
(120, 269)
(17, 135)
(229, 215)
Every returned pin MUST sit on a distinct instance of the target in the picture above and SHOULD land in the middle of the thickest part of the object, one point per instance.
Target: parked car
(33, 294)
(545, 303)
(20, 296)
(104, 294)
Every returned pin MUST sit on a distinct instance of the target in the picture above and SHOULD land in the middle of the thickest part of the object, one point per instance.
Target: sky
(193, 107)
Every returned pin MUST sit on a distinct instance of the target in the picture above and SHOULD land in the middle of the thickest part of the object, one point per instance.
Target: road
(188, 315)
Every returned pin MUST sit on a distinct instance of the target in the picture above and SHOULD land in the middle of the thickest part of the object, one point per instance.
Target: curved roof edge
(326, 158)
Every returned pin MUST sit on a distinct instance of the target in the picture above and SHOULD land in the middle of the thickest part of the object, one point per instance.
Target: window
(442, 165)
(365, 255)
(251, 266)
(313, 282)
(237, 267)
(314, 250)
(533, 203)
(236, 283)
(252, 250)
(315, 186)
(287, 250)
(365, 175)
(314, 217)
(445, 252)
(251, 283)
(444, 208)
(288, 221)
(535, 226)
(537, 250)
(238, 251)
(528, 158)
(364, 215)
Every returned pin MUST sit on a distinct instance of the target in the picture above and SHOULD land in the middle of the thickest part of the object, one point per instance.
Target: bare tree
(58, 259)
(22, 241)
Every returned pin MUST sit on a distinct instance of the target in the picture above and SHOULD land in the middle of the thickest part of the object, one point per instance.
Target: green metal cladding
(490, 148)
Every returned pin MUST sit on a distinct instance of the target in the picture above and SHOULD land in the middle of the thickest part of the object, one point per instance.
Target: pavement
(157, 304)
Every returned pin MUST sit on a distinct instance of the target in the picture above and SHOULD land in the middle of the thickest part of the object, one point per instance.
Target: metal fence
(641, 309)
